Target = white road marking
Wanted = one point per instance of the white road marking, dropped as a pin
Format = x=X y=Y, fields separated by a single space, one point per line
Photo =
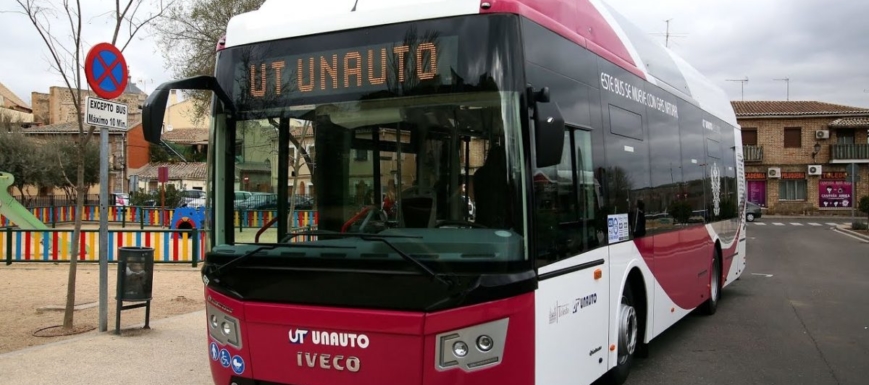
x=759 y=224
x=830 y=224
x=852 y=236
x=761 y=274
x=796 y=224
x=778 y=224
x=814 y=224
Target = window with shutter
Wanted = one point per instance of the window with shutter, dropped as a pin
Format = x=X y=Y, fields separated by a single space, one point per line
x=793 y=137
x=749 y=137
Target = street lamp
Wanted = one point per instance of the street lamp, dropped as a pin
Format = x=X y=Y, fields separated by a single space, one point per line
x=817 y=149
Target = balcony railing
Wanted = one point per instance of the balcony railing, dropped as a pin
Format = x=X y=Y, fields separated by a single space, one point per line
x=752 y=153
x=849 y=151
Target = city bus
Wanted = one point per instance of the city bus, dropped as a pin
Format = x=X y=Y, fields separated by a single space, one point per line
x=496 y=192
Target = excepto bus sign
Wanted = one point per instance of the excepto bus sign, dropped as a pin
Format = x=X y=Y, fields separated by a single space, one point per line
x=104 y=113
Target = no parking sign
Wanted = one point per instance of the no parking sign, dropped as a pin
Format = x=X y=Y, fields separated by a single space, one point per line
x=106 y=71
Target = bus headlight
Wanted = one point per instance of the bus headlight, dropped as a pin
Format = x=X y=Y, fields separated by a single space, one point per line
x=484 y=343
x=489 y=339
x=460 y=349
x=223 y=327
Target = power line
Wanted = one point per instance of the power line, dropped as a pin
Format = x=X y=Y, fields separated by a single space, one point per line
x=743 y=81
x=788 y=81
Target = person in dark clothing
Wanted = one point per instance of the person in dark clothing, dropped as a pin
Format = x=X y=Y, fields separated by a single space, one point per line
x=491 y=190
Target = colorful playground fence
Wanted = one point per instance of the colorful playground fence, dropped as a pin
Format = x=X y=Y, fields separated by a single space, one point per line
x=170 y=246
x=151 y=216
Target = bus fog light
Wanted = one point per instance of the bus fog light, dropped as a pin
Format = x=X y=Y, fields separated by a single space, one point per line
x=214 y=321
x=460 y=349
x=226 y=328
x=485 y=343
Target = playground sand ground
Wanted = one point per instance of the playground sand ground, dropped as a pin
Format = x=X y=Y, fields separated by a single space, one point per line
x=29 y=287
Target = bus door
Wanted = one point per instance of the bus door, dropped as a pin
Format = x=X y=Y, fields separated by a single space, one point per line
x=573 y=295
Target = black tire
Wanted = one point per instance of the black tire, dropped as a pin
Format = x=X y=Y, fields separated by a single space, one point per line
x=711 y=305
x=628 y=321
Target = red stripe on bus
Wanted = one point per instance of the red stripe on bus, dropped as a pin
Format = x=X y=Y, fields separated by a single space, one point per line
x=566 y=22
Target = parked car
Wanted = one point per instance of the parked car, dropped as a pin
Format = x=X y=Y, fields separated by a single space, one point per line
x=241 y=196
x=258 y=201
x=269 y=201
x=192 y=198
x=752 y=212
x=120 y=199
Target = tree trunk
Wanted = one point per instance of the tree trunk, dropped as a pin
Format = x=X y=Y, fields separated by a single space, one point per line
x=76 y=235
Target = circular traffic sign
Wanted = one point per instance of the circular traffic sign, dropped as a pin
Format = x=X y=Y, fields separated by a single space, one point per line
x=106 y=71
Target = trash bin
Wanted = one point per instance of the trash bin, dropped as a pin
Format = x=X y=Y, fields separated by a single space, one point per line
x=135 y=273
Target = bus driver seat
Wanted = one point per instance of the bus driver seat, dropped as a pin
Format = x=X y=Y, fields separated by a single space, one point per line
x=418 y=210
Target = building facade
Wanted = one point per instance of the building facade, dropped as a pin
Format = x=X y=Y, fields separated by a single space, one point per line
x=804 y=157
x=57 y=105
x=128 y=150
x=12 y=108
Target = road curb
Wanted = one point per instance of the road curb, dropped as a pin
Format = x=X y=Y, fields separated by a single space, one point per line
x=843 y=230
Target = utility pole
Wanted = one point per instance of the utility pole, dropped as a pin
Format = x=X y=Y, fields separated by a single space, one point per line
x=743 y=81
x=788 y=81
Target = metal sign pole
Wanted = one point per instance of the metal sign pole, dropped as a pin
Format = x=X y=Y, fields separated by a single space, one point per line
x=104 y=229
x=104 y=113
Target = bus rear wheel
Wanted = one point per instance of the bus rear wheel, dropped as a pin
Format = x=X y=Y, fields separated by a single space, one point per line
x=628 y=342
x=711 y=305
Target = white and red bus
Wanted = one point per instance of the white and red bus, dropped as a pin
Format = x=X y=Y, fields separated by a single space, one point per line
x=496 y=192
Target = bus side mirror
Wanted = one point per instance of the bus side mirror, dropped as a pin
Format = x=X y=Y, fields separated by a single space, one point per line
x=155 y=105
x=548 y=134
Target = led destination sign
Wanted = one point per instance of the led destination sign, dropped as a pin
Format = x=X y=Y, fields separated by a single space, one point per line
x=359 y=69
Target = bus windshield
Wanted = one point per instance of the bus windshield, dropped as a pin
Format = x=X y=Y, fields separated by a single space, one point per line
x=417 y=139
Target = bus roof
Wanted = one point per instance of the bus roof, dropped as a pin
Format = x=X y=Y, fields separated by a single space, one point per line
x=589 y=23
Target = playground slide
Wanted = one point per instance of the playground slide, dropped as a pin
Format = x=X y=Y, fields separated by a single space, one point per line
x=14 y=211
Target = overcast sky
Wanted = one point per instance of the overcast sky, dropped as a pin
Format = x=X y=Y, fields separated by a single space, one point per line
x=822 y=46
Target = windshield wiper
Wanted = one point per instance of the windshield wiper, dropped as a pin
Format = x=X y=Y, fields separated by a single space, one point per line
x=215 y=271
x=342 y=235
x=381 y=238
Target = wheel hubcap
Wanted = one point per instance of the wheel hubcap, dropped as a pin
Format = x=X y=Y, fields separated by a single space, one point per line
x=714 y=288
x=627 y=332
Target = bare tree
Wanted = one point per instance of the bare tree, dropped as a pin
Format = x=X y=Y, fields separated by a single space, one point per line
x=66 y=57
x=188 y=35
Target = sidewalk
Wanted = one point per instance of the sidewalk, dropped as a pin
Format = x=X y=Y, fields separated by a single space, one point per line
x=173 y=351
x=814 y=217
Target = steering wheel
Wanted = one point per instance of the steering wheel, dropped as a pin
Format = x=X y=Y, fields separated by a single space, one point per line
x=367 y=212
x=459 y=223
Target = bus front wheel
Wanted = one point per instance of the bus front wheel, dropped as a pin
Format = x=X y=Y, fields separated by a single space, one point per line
x=628 y=341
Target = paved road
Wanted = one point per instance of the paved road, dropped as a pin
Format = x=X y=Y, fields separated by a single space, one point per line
x=825 y=222
x=799 y=315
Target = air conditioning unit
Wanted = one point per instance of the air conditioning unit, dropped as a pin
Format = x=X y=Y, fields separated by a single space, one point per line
x=815 y=169
x=773 y=173
x=822 y=134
